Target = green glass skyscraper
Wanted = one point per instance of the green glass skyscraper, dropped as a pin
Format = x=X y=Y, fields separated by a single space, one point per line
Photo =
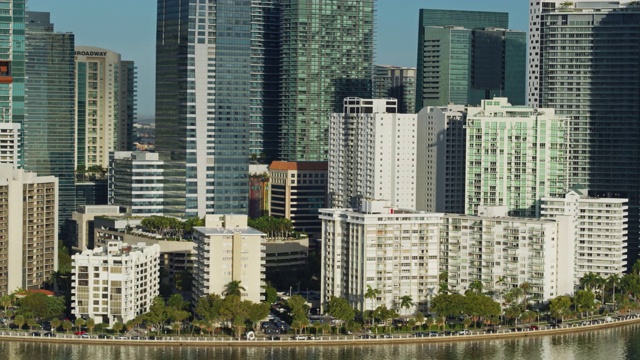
x=12 y=62
x=467 y=56
x=327 y=55
x=48 y=126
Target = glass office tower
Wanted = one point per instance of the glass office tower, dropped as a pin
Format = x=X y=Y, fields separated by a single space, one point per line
x=203 y=92
x=12 y=47
x=586 y=65
x=48 y=126
x=327 y=55
x=467 y=56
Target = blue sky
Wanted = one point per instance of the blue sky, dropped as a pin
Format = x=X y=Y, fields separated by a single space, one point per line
x=128 y=27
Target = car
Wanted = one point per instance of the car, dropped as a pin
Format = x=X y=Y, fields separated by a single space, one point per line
x=583 y=323
x=464 y=332
x=433 y=334
x=421 y=334
x=300 y=337
x=104 y=336
x=367 y=336
x=311 y=337
x=552 y=326
x=349 y=332
x=122 y=337
x=35 y=333
x=386 y=336
x=273 y=338
x=534 y=327
x=516 y=329
x=85 y=336
x=447 y=333
x=79 y=333
x=48 y=334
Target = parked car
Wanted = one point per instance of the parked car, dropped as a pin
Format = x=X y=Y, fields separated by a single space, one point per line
x=464 y=332
x=534 y=327
x=79 y=333
x=386 y=336
x=433 y=334
x=48 y=334
x=300 y=337
x=421 y=334
x=35 y=333
x=273 y=338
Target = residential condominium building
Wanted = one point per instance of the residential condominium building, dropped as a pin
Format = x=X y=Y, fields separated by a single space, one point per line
x=114 y=283
x=326 y=55
x=467 y=56
x=10 y=149
x=597 y=231
x=100 y=77
x=503 y=252
x=391 y=250
x=48 y=130
x=298 y=191
x=440 y=159
x=396 y=82
x=28 y=229
x=229 y=250
x=516 y=155
x=372 y=154
x=583 y=62
x=136 y=182
x=83 y=220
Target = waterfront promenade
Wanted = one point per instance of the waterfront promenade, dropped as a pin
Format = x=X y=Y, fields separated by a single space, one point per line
x=288 y=340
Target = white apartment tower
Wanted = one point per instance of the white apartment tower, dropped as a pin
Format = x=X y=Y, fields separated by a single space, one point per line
x=503 y=252
x=515 y=155
x=228 y=250
x=441 y=159
x=116 y=282
x=372 y=154
x=597 y=231
x=394 y=251
x=10 y=143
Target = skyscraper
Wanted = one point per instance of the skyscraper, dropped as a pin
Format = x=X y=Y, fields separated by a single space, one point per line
x=203 y=108
x=468 y=56
x=397 y=82
x=48 y=130
x=585 y=63
x=327 y=55
x=127 y=96
x=12 y=53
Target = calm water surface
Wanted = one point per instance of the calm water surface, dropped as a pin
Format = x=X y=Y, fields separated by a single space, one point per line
x=610 y=344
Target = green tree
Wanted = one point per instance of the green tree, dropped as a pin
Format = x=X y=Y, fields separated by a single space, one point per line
x=234 y=288
x=67 y=325
x=613 y=281
x=157 y=314
x=235 y=311
x=583 y=300
x=19 y=320
x=41 y=306
x=476 y=286
x=443 y=283
x=91 y=324
x=430 y=322
x=340 y=309
x=559 y=306
x=298 y=309
x=79 y=323
x=117 y=327
x=419 y=318
x=525 y=287
x=270 y=294
x=589 y=281
x=448 y=304
x=406 y=302
x=630 y=284
x=466 y=322
x=129 y=325
x=208 y=308
x=55 y=323
x=256 y=313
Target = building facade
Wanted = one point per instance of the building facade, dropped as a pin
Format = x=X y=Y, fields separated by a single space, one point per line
x=593 y=81
x=597 y=231
x=228 y=250
x=48 y=131
x=298 y=191
x=114 y=283
x=326 y=55
x=396 y=82
x=136 y=182
x=12 y=61
x=28 y=229
x=372 y=154
x=467 y=56
x=84 y=223
x=202 y=118
x=516 y=155
x=440 y=158
x=503 y=252
x=127 y=100
x=10 y=149
x=377 y=246
x=259 y=190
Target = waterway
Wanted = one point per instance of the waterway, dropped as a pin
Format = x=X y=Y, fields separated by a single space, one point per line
x=610 y=344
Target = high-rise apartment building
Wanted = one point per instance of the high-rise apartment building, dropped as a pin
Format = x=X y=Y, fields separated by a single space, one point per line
x=516 y=155
x=396 y=82
x=372 y=154
x=203 y=105
x=136 y=181
x=115 y=282
x=10 y=149
x=228 y=250
x=467 y=56
x=394 y=251
x=597 y=231
x=298 y=191
x=28 y=229
x=440 y=158
x=327 y=55
x=103 y=95
x=12 y=61
x=583 y=61
x=48 y=130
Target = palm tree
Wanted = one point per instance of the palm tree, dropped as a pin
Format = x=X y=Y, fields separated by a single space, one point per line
x=406 y=302
x=515 y=293
x=525 y=286
x=234 y=288
x=372 y=294
x=476 y=286
x=589 y=281
x=613 y=280
x=502 y=282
